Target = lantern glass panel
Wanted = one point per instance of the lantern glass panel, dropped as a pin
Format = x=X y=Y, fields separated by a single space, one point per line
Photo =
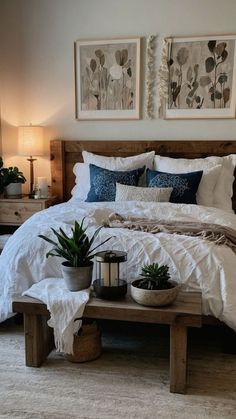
x=111 y=268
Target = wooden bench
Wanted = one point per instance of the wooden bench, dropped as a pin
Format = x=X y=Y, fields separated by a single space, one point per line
x=185 y=312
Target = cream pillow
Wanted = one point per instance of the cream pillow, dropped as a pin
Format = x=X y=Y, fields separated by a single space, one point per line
x=211 y=166
x=136 y=193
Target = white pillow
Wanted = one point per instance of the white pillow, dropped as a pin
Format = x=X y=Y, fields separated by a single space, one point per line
x=136 y=193
x=120 y=163
x=82 y=181
x=82 y=173
x=211 y=166
x=224 y=187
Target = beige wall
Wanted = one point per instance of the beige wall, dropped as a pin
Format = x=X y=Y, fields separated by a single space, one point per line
x=36 y=70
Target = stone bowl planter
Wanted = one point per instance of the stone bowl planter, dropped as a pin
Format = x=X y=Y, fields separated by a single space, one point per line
x=154 y=298
x=77 y=279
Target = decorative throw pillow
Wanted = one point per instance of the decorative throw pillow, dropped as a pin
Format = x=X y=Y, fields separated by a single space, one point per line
x=103 y=182
x=185 y=185
x=137 y=193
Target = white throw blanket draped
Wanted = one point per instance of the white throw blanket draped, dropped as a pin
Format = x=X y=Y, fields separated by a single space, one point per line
x=64 y=306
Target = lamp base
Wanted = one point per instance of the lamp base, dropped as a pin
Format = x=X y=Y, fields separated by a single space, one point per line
x=31 y=192
x=110 y=293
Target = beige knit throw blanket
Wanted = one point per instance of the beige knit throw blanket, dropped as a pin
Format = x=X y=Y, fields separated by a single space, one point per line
x=212 y=232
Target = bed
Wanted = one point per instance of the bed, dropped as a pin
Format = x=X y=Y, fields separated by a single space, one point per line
x=196 y=263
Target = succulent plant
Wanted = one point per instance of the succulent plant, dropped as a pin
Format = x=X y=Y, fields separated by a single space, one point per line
x=155 y=277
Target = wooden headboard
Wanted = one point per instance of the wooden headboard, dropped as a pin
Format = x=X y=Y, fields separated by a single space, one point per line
x=64 y=154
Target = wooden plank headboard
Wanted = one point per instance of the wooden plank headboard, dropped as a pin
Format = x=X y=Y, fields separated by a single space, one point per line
x=64 y=154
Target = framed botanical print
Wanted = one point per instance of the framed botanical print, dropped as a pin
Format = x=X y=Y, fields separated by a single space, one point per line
x=107 y=79
x=202 y=78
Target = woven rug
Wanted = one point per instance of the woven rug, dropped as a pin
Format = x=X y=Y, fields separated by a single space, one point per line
x=130 y=379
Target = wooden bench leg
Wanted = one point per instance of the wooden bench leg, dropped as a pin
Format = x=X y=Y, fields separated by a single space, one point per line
x=178 y=358
x=38 y=339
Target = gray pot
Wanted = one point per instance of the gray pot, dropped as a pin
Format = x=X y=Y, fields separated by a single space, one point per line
x=13 y=190
x=154 y=297
x=77 y=279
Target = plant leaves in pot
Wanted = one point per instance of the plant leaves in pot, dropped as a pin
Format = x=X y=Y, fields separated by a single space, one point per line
x=155 y=287
x=12 y=179
x=78 y=253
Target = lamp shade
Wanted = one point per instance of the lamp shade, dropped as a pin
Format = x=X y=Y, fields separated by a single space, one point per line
x=30 y=141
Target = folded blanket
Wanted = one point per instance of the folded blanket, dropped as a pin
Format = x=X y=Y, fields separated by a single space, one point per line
x=212 y=232
x=66 y=309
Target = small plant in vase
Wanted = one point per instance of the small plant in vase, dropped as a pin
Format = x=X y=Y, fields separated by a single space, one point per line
x=11 y=180
x=154 y=288
x=155 y=277
x=77 y=252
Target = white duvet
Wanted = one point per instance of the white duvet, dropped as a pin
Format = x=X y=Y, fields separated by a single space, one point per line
x=196 y=263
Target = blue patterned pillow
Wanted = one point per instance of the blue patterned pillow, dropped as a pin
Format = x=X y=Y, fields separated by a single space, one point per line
x=185 y=185
x=103 y=182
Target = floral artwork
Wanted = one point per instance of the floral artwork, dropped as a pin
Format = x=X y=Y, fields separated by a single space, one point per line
x=107 y=79
x=201 y=81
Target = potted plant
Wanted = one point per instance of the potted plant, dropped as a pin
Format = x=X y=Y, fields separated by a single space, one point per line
x=77 y=251
x=155 y=287
x=12 y=179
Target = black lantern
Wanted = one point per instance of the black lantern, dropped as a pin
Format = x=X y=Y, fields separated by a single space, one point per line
x=110 y=280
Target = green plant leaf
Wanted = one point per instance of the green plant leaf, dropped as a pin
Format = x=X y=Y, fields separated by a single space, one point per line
x=100 y=244
x=47 y=239
x=75 y=249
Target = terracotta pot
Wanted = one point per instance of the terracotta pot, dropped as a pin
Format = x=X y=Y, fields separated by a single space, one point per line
x=154 y=297
x=77 y=279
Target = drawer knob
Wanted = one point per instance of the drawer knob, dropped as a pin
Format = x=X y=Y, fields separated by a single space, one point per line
x=16 y=213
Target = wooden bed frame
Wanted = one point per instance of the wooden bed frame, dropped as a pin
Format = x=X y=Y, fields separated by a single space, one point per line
x=64 y=154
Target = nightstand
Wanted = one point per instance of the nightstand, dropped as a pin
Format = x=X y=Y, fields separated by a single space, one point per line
x=13 y=212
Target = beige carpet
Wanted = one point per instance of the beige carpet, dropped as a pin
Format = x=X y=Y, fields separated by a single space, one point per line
x=130 y=380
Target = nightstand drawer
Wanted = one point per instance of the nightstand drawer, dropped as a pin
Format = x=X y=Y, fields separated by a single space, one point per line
x=17 y=213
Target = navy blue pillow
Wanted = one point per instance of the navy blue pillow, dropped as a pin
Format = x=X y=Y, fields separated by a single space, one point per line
x=185 y=185
x=103 y=182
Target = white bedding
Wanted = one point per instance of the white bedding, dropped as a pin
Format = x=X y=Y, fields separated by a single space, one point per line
x=197 y=264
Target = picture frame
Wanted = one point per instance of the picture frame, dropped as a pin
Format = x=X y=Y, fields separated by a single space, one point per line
x=107 y=79
x=202 y=77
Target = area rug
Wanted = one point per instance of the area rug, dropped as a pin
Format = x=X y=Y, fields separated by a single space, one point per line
x=130 y=379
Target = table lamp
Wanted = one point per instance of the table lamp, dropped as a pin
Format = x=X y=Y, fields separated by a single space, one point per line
x=30 y=143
